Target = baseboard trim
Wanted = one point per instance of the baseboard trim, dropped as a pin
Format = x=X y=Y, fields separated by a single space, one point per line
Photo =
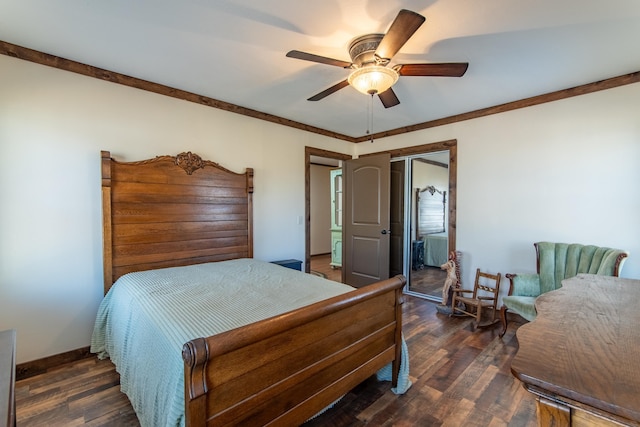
x=35 y=367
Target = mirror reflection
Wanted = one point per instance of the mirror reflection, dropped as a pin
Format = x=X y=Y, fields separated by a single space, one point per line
x=429 y=223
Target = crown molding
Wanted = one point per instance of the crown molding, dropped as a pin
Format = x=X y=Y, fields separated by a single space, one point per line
x=42 y=58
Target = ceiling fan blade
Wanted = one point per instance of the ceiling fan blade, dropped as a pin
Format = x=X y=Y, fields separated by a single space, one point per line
x=401 y=30
x=449 y=69
x=317 y=58
x=329 y=91
x=389 y=98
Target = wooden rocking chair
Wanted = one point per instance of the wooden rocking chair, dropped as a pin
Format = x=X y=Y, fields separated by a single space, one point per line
x=484 y=295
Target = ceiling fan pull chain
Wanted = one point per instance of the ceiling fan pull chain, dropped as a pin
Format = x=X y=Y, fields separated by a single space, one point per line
x=368 y=118
x=370 y=126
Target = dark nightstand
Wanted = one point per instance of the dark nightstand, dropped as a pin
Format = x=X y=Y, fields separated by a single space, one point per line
x=294 y=264
x=417 y=255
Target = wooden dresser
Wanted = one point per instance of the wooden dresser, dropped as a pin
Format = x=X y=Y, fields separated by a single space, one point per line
x=581 y=355
x=7 y=378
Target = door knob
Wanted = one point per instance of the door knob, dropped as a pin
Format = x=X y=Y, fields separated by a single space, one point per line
x=385 y=232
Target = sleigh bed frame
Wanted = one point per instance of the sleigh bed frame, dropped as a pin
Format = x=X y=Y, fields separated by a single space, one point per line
x=174 y=211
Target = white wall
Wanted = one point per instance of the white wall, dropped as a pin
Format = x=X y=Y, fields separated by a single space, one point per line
x=53 y=125
x=565 y=171
x=320 y=207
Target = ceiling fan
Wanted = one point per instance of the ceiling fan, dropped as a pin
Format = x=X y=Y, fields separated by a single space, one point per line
x=370 y=55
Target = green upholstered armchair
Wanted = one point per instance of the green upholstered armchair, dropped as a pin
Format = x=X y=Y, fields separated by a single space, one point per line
x=556 y=262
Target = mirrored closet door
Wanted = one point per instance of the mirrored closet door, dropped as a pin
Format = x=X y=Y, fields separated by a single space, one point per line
x=420 y=241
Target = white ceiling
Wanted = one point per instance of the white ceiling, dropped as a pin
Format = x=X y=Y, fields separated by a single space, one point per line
x=234 y=50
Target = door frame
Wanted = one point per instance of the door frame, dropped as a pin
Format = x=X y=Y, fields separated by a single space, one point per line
x=308 y=152
x=452 y=146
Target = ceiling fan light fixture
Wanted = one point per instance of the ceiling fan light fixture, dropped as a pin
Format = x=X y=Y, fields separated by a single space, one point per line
x=373 y=79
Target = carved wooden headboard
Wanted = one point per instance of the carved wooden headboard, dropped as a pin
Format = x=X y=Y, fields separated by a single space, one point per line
x=172 y=211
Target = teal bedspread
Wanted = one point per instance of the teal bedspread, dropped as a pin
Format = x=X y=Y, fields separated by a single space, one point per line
x=147 y=316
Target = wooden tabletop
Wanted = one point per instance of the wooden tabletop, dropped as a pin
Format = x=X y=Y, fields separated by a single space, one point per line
x=583 y=347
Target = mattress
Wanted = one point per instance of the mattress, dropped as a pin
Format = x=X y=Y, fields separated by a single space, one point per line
x=146 y=317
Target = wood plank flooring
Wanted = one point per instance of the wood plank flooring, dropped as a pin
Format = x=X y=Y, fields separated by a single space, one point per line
x=460 y=377
x=322 y=264
x=428 y=281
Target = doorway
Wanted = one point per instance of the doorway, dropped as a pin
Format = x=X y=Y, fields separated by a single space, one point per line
x=322 y=262
x=449 y=146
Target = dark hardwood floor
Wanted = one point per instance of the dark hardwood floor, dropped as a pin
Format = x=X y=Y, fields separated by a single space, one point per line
x=460 y=377
x=428 y=281
x=322 y=264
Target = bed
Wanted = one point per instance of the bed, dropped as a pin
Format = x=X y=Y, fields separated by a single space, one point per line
x=178 y=244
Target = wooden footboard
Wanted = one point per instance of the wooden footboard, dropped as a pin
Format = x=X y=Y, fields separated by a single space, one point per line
x=284 y=370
